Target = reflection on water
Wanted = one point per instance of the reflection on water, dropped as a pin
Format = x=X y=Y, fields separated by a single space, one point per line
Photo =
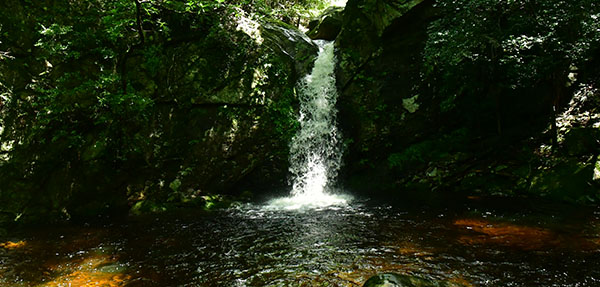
x=334 y=246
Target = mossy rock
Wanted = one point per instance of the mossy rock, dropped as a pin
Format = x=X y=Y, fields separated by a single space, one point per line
x=328 y=25
x=571 y=181
x=581 y=141
x=291 y=45
x=147 y=207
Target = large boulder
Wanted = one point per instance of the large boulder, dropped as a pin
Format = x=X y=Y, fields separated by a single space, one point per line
x=327 y=26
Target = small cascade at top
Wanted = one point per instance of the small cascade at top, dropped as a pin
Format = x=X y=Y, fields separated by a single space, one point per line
x=315 y=151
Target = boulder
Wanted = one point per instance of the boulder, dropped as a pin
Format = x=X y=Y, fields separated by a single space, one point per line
x=327 y=26
x=289 y=42
x=582 y=141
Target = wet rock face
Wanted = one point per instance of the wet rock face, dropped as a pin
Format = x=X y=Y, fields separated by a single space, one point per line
x=290 y=43
x=327 y=26
x=226 y=107
x=379 y=59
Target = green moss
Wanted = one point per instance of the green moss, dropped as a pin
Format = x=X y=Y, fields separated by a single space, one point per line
x=147 y=206
x=570 y=181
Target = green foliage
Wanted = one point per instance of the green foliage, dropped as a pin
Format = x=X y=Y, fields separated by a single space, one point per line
x=569 y=180
x=153 y=56
x=417 y=153
x=490 y=47
x=283 y=116
x=430 y=150
x=84 y=84
x=290 y=11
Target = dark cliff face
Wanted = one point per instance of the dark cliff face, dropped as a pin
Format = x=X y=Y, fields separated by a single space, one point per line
x=380 y=57
x=408 y=126
x=204 y=107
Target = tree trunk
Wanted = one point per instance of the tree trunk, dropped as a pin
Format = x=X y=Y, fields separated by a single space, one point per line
x=138 y=12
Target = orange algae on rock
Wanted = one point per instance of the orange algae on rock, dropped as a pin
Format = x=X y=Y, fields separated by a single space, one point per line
x=88 y=273
x=85 y=279
x=13 y=245
x=459 y=282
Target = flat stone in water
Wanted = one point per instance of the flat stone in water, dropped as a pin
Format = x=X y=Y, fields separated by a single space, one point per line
x=397 y=280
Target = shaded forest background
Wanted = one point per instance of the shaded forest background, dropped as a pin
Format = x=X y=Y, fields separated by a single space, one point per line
x=145 y=106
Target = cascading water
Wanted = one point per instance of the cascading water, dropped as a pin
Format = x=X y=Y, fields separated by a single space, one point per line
x=315 y=153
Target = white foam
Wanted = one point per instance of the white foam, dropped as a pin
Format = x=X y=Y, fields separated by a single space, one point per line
x=309 y=201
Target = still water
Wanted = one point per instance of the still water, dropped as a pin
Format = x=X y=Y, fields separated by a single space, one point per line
x=470 y=242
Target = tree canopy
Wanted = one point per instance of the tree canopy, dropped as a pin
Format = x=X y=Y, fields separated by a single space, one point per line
x=488 y=47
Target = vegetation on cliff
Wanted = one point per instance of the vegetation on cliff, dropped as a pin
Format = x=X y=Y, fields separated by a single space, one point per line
x=110 y=104
x=479 y=96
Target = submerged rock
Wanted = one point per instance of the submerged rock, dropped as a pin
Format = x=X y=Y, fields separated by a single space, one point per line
x=397 y=280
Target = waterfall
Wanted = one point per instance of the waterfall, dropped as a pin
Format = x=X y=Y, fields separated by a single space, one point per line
x=315 y=152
